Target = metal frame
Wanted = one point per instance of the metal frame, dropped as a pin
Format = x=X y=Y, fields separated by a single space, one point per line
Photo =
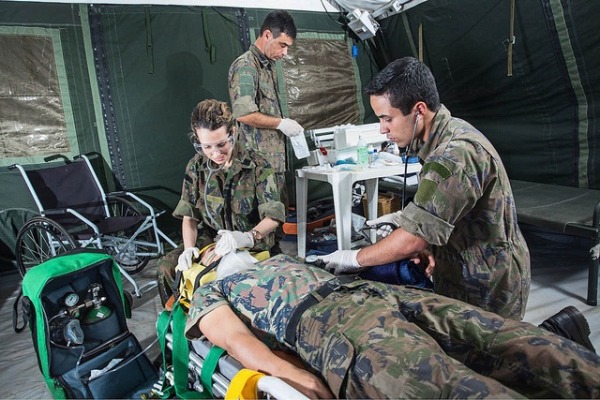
x=270 y=386
x=101 y=241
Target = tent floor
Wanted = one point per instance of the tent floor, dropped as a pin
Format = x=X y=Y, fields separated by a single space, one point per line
x=559 y=279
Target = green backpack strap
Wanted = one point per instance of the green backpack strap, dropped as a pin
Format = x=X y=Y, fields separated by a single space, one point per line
x=25 y=306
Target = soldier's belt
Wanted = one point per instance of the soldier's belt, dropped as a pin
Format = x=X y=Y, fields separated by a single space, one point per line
x=314 y=297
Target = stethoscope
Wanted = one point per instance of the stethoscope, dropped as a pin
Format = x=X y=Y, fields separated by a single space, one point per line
x=211 y=171
x=407 y=156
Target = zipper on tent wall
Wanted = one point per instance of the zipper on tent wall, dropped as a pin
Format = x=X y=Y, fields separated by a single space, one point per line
x=98 y=119
x=104 y=88
x=243 y=28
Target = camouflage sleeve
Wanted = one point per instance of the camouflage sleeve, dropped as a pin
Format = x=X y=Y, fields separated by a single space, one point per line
x=189 y=193
x=206 y=298
x=267 y=192
x=243 y=87
x=423 y=224
x=185 y=209
x=448 y=190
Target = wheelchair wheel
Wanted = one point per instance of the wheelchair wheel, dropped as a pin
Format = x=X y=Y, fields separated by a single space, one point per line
x=39 y=240
x=128 y=258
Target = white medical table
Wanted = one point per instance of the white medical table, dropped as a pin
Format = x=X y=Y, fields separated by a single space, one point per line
x=341 y=178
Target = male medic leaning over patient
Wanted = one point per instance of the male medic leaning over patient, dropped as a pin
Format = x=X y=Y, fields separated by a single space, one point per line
x=463 y=210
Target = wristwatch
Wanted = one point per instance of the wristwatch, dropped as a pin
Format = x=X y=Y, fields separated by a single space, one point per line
x=256 y=235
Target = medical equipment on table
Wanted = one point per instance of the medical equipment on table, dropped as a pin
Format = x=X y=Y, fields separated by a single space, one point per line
x=339 y=143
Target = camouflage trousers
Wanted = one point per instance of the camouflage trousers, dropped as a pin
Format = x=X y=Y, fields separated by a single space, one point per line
x=283 y=192
x=383 y=341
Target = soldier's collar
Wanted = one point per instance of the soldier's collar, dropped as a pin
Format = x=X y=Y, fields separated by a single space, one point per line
x=440 y=121
x=264 y=61
x=239 y=164
x=247 y=162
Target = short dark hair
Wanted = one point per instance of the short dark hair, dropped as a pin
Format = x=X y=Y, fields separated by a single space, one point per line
x=211 y=114
x=406 y=81
x=278 y=22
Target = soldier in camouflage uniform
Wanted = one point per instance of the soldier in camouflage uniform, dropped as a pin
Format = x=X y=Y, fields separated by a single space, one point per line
x=227 y=190
x=373 y=340
x=253 y=89
x=463 y=210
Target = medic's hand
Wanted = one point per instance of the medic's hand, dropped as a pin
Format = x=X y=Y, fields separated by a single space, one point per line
x=229 y=241
x=290 y=128
x=341 y=261
x=185 y=260
x=426 y=260
x=386 y=220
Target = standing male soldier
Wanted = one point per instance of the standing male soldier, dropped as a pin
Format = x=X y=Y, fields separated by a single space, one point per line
x=254 y=96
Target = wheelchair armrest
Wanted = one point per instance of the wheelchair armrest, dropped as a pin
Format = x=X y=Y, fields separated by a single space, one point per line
x=56 y=211
x=138 y=199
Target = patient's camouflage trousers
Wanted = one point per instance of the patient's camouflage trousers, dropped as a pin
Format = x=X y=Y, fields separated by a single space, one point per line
x=370 y=342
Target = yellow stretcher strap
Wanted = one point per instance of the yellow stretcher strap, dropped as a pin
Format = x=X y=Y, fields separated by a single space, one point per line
x=244 y=385
x=196 y=276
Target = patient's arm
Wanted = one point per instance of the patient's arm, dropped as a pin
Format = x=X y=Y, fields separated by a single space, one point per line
x=223 y=328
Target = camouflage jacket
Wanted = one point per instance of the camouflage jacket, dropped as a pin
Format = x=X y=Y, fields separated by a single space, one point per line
x=262 y=297
x=253 y=87
x=465 y=208
x=373 y=340
x=235 y=199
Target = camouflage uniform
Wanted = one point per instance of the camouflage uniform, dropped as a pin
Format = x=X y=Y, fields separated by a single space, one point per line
x=374 y=340
x=464 y=207
x=236 y=199
x=253 y=88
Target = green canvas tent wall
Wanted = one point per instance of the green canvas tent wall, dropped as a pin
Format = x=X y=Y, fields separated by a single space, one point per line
x=126 y=78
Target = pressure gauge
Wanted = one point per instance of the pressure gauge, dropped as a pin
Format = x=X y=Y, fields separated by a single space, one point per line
x=71 y=300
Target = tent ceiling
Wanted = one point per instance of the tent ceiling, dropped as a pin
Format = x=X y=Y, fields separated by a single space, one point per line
x=305 y=5
x=378 y=8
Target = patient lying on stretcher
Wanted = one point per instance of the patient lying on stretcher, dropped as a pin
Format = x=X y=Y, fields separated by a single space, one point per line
x=364 y=339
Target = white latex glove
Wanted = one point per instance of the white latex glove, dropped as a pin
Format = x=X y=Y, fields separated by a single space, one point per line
x=290 y=128
x=185 y=260
x=392 y=218
x=232 y=240
x=341 y=261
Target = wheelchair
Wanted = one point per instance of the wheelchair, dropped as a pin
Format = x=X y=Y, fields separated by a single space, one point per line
x=74 y=211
